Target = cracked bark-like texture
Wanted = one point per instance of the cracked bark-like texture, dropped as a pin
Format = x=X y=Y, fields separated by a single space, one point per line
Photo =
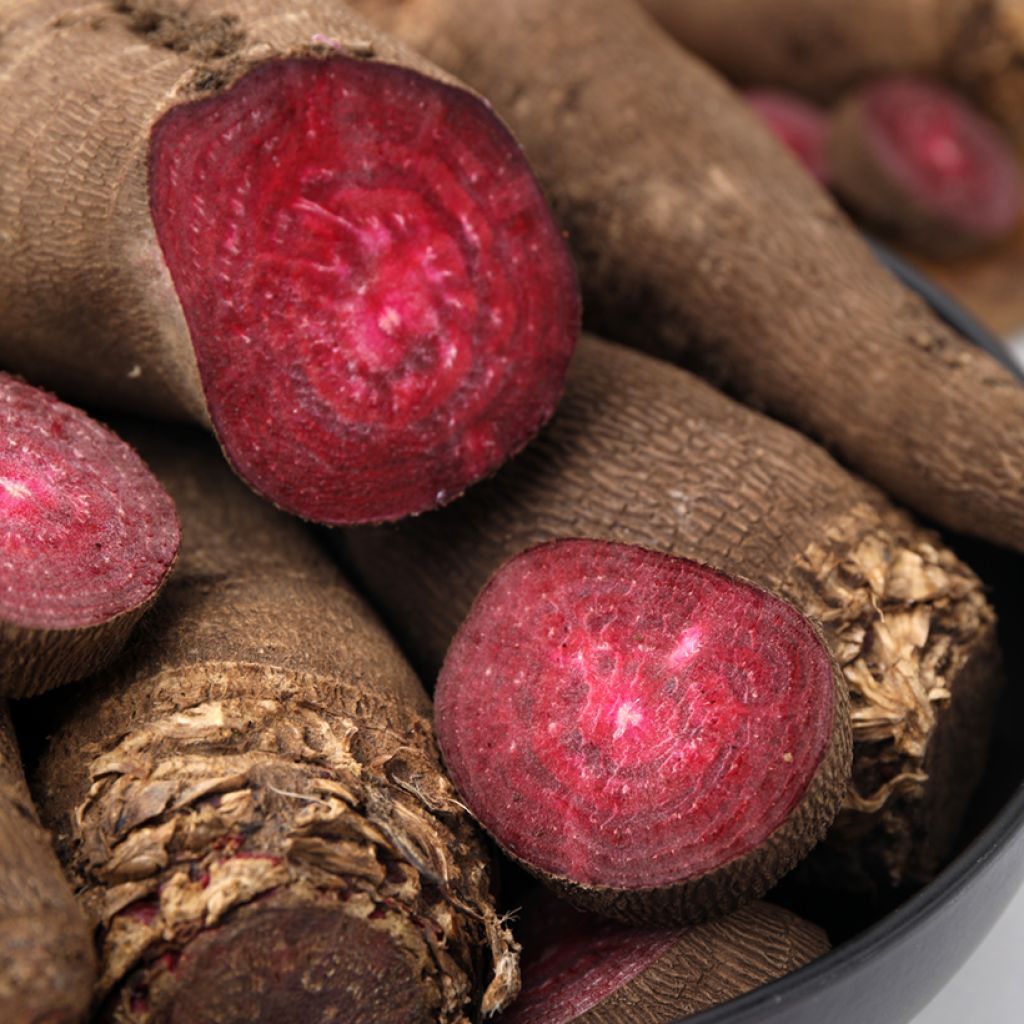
x=821 y=48
x=697 y=239
x=286 y=227
x=87 y=540
x=587 y=970
x=655 y=739
x=644 y=453
x=251 y=803
x=47 y=964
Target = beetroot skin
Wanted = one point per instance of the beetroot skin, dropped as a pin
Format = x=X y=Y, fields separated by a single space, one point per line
x=798 y=124
x=653 y=735
x=381 y=307
x=915 y=159
x=580 y=967
x=578 y=961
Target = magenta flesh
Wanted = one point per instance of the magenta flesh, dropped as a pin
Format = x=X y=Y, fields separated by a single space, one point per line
x=801 y=126
x=86 y=532
x=945 y=155
x=623 y=718
x=381 y=307
x=579 y=960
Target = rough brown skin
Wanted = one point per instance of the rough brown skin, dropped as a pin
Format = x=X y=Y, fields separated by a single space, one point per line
x=642 y=453
x=263 y=758
x=697 y=239
x=692 y=969
x=47 y=963
x=821 y=48
x=36 y=660
x=96 y=307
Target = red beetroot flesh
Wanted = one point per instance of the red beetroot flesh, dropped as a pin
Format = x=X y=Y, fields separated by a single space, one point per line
x=381 y=307
x=945 y=155
x=801 y=126
x=86 y=532
x=578 y=962
x=623 y=718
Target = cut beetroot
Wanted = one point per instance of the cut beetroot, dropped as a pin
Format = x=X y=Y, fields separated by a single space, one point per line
x=655 y=738
x=381 y=307
x=578 y=967
x=573 y=961
x=799 y=124
x=87 y=537
x=915 y=159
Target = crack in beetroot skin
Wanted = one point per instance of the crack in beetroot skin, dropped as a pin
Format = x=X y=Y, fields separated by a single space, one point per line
x=621 y=717
x=381 y=308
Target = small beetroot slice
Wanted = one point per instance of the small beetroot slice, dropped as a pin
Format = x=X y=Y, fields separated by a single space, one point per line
x=87 y=538
x=589 y=970
x=798 y=124
x=381 y=307
x=917 y=161
x=655 y=739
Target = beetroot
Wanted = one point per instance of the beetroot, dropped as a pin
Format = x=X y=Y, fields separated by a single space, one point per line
x=378 y=234
x=87 y=538
x=577 y=967
x=798 y=124
x=917 y=161
x=657 y=739
x=281 y=224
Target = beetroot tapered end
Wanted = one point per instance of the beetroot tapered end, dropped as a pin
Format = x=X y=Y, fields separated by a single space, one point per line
x=381 y=307
x=86 y=531
x=916 y=159
x=798 y=124
x=623 y=720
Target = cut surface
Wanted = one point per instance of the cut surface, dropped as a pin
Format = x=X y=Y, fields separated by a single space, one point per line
x=381 y=308
x=619 y=717
x=939 y=154
x=800 y=125
x=86 y=531
x=580 y=967
x=579 y=962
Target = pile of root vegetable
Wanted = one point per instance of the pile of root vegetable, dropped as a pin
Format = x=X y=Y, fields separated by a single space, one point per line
x=685 y=638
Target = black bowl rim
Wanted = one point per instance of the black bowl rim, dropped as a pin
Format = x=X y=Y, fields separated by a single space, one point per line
x=887 y=932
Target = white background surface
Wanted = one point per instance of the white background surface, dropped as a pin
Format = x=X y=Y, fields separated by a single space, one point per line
x=990 y=987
